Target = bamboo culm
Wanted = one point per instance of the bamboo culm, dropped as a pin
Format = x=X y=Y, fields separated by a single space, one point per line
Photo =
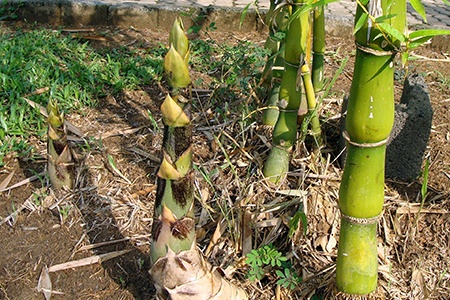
x=369 y=121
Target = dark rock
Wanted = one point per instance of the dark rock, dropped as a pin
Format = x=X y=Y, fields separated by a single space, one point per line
x=411 y=131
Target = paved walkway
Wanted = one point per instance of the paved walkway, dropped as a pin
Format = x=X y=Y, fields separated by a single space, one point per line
x=159 y=14
x=438 y=13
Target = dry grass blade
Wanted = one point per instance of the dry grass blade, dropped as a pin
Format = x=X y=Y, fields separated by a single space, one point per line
x=87 y=261
x=97 y=245
x=118 y=132
x=12 y=217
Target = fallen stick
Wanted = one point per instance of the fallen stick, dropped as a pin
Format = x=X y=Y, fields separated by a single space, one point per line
x=87 y=261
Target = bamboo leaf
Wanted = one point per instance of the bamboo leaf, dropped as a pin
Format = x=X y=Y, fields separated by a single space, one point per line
x=428 y=33
x=419 y=8
x=393 y=32
x=243 y=14
x=381 y=19
x=418 y=42
x=360 y=23
x=306 y=7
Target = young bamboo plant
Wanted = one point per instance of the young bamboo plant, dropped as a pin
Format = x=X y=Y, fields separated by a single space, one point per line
x=369 y=121
x=284 y=134
x=179 y=271
x=60 y=161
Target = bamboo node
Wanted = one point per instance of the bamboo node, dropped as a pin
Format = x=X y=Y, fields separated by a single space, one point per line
x=361 y=221
x=363 y=145
x=374 y=51
x=292 y=65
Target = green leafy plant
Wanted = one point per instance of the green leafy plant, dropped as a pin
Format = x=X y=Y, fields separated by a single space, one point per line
x=288 y=279
x=266 y=258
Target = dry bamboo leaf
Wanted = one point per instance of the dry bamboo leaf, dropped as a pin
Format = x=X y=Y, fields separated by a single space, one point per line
x=295 y=193
x=87 y=261
x=101 y=244
x=220 y=229
x=6 y=181
x=45 y=284
x=118 y=132
x=90 y=37
x=418 y=285
x=247 y=233
x=414 y=209
x=78 y=30
x=145 y=154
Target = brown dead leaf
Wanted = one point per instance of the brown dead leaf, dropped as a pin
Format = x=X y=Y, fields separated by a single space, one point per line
x=6 y=181
x=45 y=284
x=418 y=285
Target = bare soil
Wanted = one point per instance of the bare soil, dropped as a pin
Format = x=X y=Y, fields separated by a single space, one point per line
x=105 y=213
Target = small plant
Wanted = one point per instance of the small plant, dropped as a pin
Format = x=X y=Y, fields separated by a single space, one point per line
x=288 y=279
x=263 y=259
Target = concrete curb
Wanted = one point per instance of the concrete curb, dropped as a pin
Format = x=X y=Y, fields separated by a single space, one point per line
x=151 y=15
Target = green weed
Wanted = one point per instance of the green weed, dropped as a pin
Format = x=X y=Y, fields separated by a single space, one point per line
x=267 y=258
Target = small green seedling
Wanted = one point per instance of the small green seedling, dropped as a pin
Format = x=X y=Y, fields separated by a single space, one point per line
x=263 y=259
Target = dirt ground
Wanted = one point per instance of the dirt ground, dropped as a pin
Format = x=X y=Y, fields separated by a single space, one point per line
x=105 y=213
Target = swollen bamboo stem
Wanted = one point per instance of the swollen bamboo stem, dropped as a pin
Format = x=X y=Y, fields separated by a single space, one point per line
x=285 y=130
x=369 y=121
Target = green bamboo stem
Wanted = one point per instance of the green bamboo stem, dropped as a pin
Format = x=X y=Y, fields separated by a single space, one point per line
x=369 y=121
x=314 y=122
x=284 y=134
x=318 y=48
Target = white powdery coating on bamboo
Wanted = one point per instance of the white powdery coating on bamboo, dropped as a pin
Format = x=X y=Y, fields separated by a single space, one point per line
x=188 y=275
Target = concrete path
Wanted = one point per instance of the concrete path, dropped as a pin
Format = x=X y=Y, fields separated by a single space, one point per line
x=159 y=14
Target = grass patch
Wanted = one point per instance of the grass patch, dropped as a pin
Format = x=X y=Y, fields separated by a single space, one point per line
x=78 y=75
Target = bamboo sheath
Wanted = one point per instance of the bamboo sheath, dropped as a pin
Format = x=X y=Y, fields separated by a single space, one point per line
x=369 y=121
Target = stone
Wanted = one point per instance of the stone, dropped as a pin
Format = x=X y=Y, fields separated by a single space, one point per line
x=411 y=132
